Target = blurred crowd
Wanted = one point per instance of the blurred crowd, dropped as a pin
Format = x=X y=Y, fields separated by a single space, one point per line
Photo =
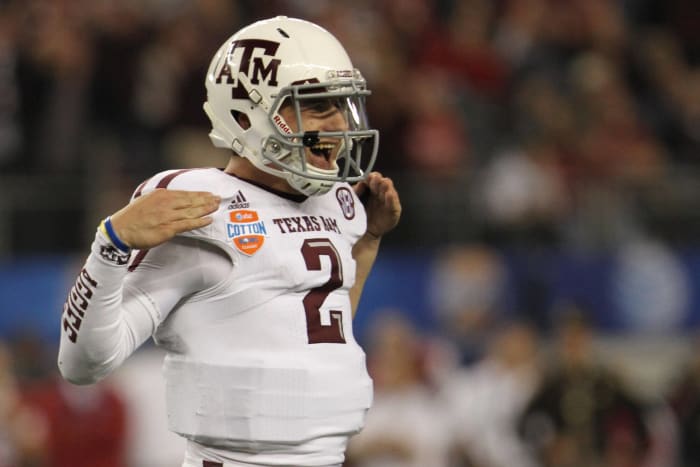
x=506 y=124
x=520 y=404
x=571 y=123
x=522 y=400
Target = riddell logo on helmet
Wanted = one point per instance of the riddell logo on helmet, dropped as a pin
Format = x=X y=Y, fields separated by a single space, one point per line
x=243 y=53
x=281 y=124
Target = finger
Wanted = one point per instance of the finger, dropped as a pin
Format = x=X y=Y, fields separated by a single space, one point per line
x=379 y=184
x=393 y=202
x=360 y=188
x=368 y=186
x=185 y=225
x=382 y=187
x=386 y=185
x=372 y=179
x=196 y=211
x=180 y=199
x=390 y=197
x=195 y=200
x=193 y=212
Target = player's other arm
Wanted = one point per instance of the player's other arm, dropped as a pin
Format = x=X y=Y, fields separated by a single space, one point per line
x=104 y=321
x=383 y=213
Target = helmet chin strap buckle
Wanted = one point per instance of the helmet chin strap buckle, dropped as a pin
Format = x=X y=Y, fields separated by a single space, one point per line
x=237 y=146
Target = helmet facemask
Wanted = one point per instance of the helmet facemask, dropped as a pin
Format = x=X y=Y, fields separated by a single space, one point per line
x=349 y=151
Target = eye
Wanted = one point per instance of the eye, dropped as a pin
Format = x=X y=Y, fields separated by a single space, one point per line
x=320 y=105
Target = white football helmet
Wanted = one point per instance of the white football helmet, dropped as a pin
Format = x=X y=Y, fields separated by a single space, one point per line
x=280 y=62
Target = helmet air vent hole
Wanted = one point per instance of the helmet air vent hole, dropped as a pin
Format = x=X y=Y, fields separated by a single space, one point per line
x=282 y=32
x=241 y=119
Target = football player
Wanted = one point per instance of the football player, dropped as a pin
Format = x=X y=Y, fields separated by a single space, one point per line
x=249 y=276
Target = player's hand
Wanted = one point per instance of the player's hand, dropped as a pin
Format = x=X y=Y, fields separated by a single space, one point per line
x=383 y=205
x=158 y=216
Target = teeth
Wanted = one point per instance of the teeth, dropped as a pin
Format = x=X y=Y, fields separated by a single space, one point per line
x=323 y=150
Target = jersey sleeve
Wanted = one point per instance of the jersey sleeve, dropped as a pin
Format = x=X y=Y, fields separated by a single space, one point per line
x=111 y=311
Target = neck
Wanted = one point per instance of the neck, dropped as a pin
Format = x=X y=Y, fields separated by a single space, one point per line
x=243 y=168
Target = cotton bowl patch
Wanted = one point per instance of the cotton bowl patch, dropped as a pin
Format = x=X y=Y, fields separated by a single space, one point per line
x=246 y=231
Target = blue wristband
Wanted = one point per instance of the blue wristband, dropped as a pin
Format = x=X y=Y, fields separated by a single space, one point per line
x=113 y=236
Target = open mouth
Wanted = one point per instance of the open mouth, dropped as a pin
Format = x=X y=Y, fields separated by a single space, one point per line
x=324 y=150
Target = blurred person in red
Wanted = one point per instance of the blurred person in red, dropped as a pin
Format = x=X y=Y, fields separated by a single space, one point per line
x=22 y=429
x=615 y=144
x=684 y=398
x=673 y=93
x=463 y=47
x=435 y=125
x=86 y=426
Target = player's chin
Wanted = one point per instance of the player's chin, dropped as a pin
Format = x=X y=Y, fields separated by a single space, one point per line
x=322 y=162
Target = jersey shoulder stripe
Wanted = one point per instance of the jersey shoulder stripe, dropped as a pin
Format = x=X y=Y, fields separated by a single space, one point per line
x=192 y=179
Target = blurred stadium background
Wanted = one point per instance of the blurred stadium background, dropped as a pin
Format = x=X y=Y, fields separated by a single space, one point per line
x=541 y=297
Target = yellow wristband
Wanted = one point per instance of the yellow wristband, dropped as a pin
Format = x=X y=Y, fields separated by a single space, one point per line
x=107 y=229
x=103 y=229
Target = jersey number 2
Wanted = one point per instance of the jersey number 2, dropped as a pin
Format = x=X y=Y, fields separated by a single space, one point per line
x=312 y=250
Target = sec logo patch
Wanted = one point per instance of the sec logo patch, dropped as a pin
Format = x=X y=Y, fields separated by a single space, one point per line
x=346 y=201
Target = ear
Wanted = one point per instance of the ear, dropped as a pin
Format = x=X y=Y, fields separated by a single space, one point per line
x=242 y=120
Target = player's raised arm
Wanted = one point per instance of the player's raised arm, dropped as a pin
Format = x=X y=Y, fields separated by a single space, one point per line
x=104 y=321
x=383 y=208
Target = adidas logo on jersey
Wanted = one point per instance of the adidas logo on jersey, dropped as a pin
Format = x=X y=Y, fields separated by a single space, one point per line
x=238 y=201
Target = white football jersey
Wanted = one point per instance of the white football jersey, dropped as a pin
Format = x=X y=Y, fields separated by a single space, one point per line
x=267 y=357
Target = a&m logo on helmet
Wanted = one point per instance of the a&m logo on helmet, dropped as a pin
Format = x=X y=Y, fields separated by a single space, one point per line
x=255 y=59
x=346 y=201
